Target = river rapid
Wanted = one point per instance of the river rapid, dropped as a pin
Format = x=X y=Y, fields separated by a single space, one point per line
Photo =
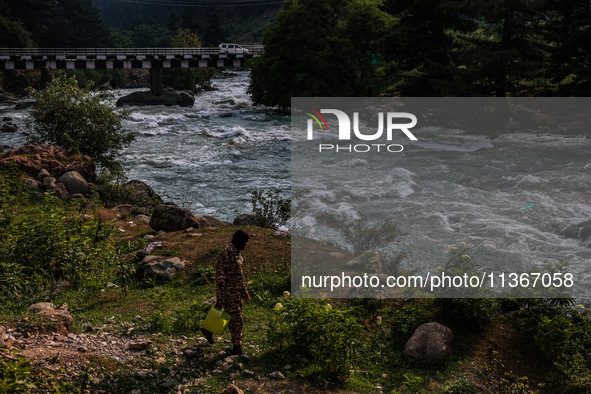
x=208 y=158
x=455 y=187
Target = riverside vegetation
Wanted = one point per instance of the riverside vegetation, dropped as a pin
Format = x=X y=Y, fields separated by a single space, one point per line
x=129 y=335
x=508 y=345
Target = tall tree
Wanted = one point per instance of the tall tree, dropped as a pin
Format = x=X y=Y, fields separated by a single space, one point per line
x=187 y=78
x=319 y=48
x=215 y=33
x=422 y=44
x=14 y=35
x=568 y=27
x=519 y=53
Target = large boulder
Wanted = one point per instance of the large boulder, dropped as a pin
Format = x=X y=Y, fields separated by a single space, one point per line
x=168 y=97
x=170 y=217
x=141 y=194
x=580 y=231
x=17 y=82
x=246 y=219
x=159 y=268
x=232 y=389
x=9 y=128
x=431 y=342
x=209 y=221
x=74 y=182
x=60 y=318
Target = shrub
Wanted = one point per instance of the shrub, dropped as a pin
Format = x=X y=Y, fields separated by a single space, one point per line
x=46 y=244
x=323 y=334
x=16 y=376
x=363 y=236
x=79 y=120
x=270 y=209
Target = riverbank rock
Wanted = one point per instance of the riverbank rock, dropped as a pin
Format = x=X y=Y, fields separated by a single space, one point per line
x=209 y=221
x=17 y=81
x=245 y=219
x=159 y=268
x=3 y=336
x=431 y=342
x=141 y=194
x=7 y=97
x=168 y=97
x=60 y=318
x=580 y=231
x=9 y=128
x=74 y=182
x=32 y=158
x=170 y=217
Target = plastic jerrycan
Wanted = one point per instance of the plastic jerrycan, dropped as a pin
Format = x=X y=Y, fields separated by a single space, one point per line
x=216 y=320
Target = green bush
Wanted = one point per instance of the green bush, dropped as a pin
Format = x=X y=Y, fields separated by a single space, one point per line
x=16 y=376
x=472 y=311
x=405 y=320
x=561 y=333
x=47 y=243
x=270 y=209
x=79 y=120
x=317 y=331
x=362 y=236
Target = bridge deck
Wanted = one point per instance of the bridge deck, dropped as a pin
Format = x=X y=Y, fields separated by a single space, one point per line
x=109 y=58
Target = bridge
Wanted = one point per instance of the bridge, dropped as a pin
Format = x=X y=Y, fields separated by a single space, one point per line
x=154 y=59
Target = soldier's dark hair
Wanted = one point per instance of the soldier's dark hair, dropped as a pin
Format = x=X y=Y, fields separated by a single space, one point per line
x=239 y=239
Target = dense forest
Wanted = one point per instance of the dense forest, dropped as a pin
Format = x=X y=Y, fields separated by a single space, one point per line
x=425 y=48
x=407 y=47
x=67 y=23
x=107 y=23
x=242 y=21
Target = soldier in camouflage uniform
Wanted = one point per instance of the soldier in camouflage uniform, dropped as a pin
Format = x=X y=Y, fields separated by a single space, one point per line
x=230 y=288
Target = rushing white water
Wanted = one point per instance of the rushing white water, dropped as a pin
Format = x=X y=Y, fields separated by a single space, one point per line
x=451 y=187
x=208 y=158
x=508 y=198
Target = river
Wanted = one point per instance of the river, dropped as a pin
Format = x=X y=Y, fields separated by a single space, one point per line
x=208 y=158
x=454 y=188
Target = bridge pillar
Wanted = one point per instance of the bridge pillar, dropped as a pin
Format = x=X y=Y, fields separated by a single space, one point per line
x=156 y=80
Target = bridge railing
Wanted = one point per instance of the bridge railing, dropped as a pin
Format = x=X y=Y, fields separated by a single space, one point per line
x=73 y=52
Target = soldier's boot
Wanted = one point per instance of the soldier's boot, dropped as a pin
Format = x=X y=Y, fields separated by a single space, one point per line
x=237 y=349
x=208 y=335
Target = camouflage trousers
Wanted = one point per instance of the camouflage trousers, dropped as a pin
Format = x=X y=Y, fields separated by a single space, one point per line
x=234 y=308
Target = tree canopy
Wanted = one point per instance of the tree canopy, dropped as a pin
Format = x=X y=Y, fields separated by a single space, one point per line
x=320 y=48
x=424 y=48
x=187 y=78
x=80 y=120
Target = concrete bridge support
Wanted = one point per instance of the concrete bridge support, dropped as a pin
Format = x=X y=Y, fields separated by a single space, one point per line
x=156 y=80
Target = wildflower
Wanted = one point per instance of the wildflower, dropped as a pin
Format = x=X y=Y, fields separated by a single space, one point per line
x=379 y=320
x=278 y=306
x=286 y=294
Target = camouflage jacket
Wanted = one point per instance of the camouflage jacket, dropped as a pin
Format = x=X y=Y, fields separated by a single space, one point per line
x=229 y=278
